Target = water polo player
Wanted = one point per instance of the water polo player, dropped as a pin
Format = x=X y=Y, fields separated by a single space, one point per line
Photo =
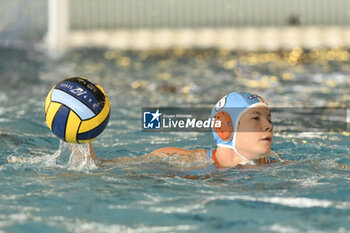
x=243 y=138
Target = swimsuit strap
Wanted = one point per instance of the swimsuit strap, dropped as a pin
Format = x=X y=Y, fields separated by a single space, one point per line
x=266 y=160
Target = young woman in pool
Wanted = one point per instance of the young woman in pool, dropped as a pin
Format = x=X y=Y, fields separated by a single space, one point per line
x=244 y=137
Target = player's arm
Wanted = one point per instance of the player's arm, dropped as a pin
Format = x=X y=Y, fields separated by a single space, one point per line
x=177 y=150
x=92 y=151
x=159 y=153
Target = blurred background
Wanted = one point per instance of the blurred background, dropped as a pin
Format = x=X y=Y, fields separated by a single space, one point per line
x=138 y=24
x=179 y=53
x=193 y=51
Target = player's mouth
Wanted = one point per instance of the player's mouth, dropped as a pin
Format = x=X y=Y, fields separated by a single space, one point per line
x=269 y=139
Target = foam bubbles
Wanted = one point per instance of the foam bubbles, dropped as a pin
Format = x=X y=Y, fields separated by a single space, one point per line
x=71 y=156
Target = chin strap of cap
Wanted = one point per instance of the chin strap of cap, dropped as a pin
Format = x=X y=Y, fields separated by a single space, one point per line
x=239 y=154
x=235 y=150
x=245 y=160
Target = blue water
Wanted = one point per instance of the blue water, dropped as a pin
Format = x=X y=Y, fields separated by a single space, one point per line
x=310 y=193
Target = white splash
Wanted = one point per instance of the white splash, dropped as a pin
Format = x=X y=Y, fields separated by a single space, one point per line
x=275 y=155
x=79 y=157
x=281 y=228
x=297 y=202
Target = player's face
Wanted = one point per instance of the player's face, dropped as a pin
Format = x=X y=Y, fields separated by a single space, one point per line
x=254 y=133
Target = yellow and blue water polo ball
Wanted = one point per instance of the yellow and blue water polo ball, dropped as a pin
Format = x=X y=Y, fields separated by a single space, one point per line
x=77 y=110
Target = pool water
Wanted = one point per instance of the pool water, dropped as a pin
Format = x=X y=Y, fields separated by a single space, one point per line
x=40 y=193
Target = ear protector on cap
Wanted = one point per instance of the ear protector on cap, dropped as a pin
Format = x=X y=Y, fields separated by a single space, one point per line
x=225 y=131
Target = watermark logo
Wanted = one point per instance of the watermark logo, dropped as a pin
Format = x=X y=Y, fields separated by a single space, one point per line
x=171 y=119
x=152 y=120
x=178 y=119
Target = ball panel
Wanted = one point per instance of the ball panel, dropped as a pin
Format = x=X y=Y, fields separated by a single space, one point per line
x=48 y=100
x=94 y=132
x=51 y=112
x=82 y=93
x=60 y=121
x=90 y=124
x=72 y=127
x=99 y=95
x=77 y=106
